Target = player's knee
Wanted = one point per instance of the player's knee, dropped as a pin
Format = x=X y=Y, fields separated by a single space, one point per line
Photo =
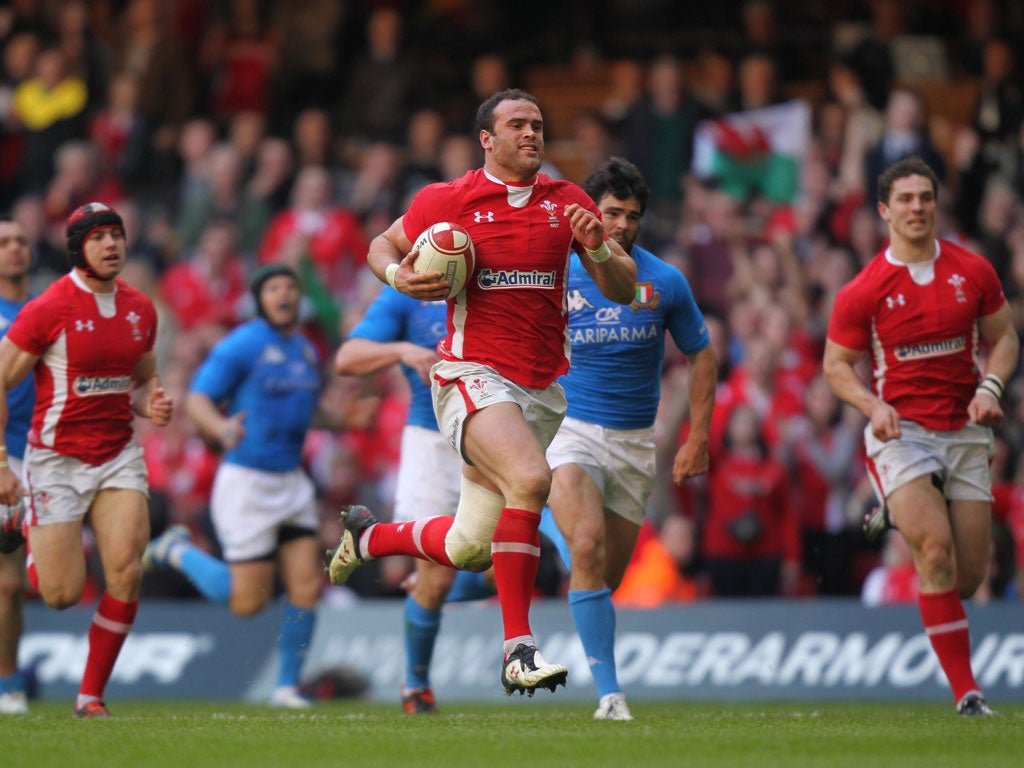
x=534 y=485
x=468 y=554
x=61 y=598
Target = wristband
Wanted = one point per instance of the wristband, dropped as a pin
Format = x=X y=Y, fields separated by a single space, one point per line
x=389 y=274
x=991 y=385
x=602 y=254
x=4 y=465
x=3 y=449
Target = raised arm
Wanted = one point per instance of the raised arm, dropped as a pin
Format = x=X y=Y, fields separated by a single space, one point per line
x=610 y=267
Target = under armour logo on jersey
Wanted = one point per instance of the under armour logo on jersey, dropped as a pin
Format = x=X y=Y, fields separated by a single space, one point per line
x=84 y=325
x=482 y=216
x=576 y=301
x=899 y=300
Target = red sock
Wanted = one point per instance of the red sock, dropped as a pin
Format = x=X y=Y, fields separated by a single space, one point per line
x=946 y=625
x=515 y=550
x=423 y=539
x=110 y=626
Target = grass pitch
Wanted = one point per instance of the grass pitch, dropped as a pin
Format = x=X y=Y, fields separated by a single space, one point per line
x=520 y=733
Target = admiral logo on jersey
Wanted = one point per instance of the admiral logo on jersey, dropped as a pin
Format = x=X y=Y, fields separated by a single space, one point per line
x=87 y=386
x=491 y=279
x=931 y=349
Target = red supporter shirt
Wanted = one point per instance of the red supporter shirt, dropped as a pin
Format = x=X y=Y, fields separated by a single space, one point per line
x=84 y=376
x=511 y=315
x=919 y=323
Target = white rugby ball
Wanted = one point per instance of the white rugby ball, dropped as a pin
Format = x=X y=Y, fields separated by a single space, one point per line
x=446 y=248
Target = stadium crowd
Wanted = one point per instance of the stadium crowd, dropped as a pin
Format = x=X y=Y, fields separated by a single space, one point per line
x=235 y=133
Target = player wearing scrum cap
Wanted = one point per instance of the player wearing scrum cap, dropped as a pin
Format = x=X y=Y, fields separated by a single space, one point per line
x=255 y=397
x=89 y=339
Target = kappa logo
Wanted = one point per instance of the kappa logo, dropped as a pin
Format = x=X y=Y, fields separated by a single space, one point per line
x=576 y=301
x=84 y=325
x=899 y=300
x=483 y=216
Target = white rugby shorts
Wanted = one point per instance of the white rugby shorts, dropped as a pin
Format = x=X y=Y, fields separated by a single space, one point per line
x=429 y=476
x=960 y=458
x=620 y=461
x=61 y=488
x=461 y=388
x=248 y=506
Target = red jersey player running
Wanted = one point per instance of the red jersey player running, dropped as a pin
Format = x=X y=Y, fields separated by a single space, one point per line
x=89 y=338
x=921 y=308
x=495 y=393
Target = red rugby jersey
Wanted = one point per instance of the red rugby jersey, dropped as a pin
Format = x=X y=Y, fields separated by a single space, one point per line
x=919 y=324
x=89 y=345
x=512 y=314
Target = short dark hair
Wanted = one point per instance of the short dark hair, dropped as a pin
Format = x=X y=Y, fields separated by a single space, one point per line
x=485 y=112
x=621 y=179
x=908 y=166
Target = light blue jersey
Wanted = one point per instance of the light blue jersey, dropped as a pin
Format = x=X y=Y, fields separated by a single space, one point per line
x=22 y=398
x=393 y=316
x=614 y=377
x=276 y=381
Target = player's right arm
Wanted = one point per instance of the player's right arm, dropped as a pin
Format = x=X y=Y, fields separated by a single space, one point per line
x=15 y=364
x=838 y=367
x=393 y=247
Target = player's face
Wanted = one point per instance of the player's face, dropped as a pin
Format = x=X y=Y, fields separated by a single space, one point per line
x=105 y=251
x=279 y=297
x=621 y=219
x=910 y=212
x=516 y=148
x=15 y=255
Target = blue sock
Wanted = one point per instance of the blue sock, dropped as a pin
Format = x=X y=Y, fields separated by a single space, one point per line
x=12 y=683
x=421 y=628
x=211 y=576
x=594 y=616
x=293 y=642
x=550 y=529
x=469 y=586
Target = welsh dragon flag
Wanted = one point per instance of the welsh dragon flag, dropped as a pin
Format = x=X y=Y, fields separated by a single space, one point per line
x=760 y=150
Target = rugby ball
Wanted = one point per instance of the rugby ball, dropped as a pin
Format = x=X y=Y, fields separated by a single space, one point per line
x=446 y=248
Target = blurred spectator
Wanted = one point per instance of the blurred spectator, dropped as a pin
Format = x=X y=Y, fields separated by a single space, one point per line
x=119 y=132
x=758 y=81
x=658 y=132
x=661 y=571
x=758 y=384
x=824 y=451
x=146 y=48
x=386 y=83
x=310 y=55
x=83 y=54
x=238 y=57
x=625 y=91
x=715 y=86
x=905 y=133
x=50 y=106
x=324 y=241
x=312 y=136
x=79 y=177
x=216 y=194
x=210 y=285
x=894 y=581
x=750 y=539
